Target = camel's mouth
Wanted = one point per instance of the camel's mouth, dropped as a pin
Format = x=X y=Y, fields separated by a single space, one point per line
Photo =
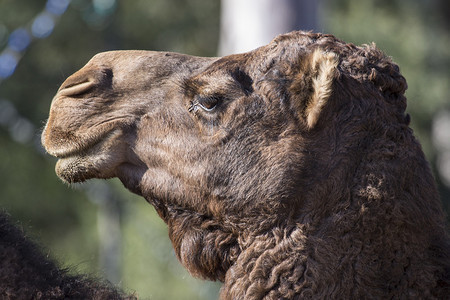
x=97 y=158
x=72 y=149
x=76 y=149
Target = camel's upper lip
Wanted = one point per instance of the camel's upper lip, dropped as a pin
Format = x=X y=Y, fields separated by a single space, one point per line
x=75 y=150
x=67 y=153
x=83 y=143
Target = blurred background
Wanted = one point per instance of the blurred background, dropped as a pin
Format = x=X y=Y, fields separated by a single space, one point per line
x=99 y=227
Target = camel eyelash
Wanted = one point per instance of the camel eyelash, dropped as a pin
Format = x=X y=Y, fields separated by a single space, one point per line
x=208 y=104
x=193 y=107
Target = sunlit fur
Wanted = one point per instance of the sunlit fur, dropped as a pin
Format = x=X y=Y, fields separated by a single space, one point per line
x=324 y=64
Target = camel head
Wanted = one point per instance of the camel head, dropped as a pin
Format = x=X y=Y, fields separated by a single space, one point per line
x=241 y=150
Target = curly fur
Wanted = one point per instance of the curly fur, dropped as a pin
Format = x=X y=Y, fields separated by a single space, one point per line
x=288 y=172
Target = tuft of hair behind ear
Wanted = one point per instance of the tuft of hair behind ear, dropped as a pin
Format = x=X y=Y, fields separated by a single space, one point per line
x=324 y=67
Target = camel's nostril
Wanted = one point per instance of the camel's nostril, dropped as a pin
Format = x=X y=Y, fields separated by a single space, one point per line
x=85 y=80
x=76 y=88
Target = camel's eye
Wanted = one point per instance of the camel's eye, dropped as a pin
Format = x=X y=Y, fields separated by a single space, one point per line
x=208 y=103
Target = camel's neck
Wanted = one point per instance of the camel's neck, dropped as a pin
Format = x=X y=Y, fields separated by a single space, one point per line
x=271 y=265
x=307 y=261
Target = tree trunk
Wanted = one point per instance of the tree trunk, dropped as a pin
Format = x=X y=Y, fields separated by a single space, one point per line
x=248 y=24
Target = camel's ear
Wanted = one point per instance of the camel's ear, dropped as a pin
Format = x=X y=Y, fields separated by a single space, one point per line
x=315 y=80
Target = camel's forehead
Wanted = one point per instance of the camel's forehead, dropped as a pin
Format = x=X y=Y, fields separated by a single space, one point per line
x=146 y=61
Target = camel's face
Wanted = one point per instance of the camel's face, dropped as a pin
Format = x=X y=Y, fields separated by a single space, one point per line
x=198 y=133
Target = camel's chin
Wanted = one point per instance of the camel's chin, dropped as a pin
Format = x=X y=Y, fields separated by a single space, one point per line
x=76 y=169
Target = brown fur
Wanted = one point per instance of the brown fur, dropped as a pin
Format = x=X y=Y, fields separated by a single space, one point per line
x=285 y=172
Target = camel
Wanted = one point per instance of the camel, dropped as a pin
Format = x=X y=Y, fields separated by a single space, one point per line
x=287 y=172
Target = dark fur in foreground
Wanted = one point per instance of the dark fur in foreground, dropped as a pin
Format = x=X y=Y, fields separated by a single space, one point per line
x=25 y=273
x=288 y=172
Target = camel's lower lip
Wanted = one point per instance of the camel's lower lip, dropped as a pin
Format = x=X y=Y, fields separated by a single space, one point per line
x=72 y=169
x=75 y=168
